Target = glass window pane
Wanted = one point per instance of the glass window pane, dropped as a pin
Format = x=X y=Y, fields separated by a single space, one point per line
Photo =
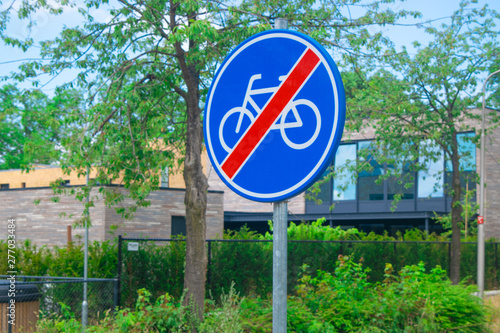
x=396 y=185
x=344 y=186
x=178 y=226
x=403 y=181
x=326 y=189
x=430 y=181
x=369 y=189
x=467 y=151
x=164 y=178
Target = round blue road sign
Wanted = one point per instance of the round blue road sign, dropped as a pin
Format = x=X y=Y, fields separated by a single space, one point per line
x=274 y=115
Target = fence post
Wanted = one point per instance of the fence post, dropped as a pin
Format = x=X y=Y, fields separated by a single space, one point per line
x=116 y=294
x=118 y=273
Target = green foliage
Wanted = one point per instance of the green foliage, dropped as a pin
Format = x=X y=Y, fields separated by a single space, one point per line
x=159 y=267
x=419 y=104
x=66 y=322
x=146 y=67
x=30 y=126
x=413 y=300
x=257 y=315
x=340 y=294
x=64 y=261
x=316 y=230
x=238 y=262
x=467 y=225
x=145 y=75
x=166 y=314
x=226 y=317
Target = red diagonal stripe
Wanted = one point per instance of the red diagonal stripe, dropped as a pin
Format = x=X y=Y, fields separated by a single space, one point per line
x=271 y=112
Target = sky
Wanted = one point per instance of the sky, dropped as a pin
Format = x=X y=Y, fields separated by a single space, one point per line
x=48 y=27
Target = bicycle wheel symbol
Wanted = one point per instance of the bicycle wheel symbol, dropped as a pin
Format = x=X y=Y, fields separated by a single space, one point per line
x=242 y=118
x=294 y=109
x=245 y=118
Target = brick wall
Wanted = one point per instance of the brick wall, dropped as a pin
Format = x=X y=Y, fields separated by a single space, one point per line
x=46 y=224
x=492 y=180
x=156 y=220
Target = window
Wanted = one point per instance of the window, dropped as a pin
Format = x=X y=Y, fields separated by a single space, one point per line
x=178 y=226
x=430 y=181
x=164 y=178
x=403 y=180
x=467 y=162
x=326 y=188
x=4 y=186
x=400 y=185
x=344 y=184
x=369 y=187
x=467 y=151
x=366 y=192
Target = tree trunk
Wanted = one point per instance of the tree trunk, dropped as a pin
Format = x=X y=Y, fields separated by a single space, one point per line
x=456 y=215
x=194 y=178
x=196 y=205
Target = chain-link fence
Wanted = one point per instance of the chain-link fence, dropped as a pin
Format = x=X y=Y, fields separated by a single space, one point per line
x=57 y=296
x=158 y=264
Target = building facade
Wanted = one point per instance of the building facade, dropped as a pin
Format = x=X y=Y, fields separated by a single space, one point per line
x=348 y=200
x=44 y=218
x=359 y=201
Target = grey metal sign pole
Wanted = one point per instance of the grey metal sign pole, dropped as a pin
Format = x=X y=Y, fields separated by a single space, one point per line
x=280 y=248
x=280 y=221
x=85 y=306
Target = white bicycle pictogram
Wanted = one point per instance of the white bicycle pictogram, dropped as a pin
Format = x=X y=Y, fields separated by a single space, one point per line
x=281 y=124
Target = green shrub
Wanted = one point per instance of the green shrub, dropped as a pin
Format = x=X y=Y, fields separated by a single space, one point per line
x=257 y=315
x=345 y=301
x=164 y=315
x=66 y=322
x=227 y=317
x=159 y=266
x=411 y=301
x=246 y=264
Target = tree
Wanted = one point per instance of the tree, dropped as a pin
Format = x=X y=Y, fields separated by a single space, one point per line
x=30 y=130
x=146 y=69
x=421 y=105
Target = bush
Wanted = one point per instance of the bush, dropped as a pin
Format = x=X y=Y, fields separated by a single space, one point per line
x=246 y=264
x=159 y=267
x=164 y=315
x=411 y=301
